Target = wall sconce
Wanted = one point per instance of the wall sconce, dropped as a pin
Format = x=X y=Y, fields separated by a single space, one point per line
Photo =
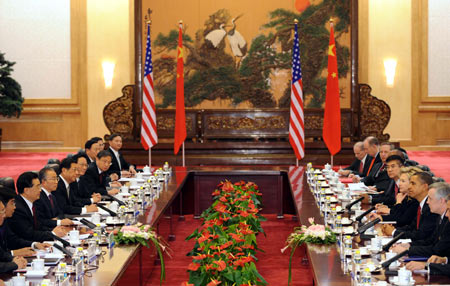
x=389 y=69
x=108 y=72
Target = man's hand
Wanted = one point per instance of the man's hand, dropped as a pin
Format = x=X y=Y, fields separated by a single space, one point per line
x=96 y=197
x=60 y=231
x=356 y=179
x=437 y=259
x=388 y=229
x=42 y=245
x=344 y=172
x=132 y=170
x=66 y=222
x=113 y=192
x=373 y=216
x=114 y=177
x=20 y=261
x=115 y=184
x=26 y=251
x=415 y=265
x=91 y=208
x=399 y=248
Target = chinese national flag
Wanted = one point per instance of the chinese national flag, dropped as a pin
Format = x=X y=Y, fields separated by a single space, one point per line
x=332 y=116
x=180 y=116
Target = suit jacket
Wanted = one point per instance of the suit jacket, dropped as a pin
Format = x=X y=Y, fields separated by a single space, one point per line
x=378 y=177
x=6 y=262
x=388 y=197
x=66 y=203
x=403 y=213
x=427 y=225
x=9 y=240
x=22 y=223
x=91 y=182
x=438 y=243
x=354 y=167
x=439 y=269
x=115 y=168
x=46 y=212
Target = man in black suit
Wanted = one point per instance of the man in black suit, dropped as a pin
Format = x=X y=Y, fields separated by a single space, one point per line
x=9 y=241
x=393 y=165
x=7 y=261
x=360 y=165
x=24 y=222
x=49 y=213
x=95 y=180
x=91 y=148
x=65 y=193
x=424 y=224
x=81 y=159
x=439 y=241
x=119 y=166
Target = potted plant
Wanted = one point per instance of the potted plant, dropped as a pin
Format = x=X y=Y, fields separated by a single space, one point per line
x=10 y=91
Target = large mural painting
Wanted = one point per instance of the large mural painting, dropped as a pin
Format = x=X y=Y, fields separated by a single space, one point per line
x=238 y=53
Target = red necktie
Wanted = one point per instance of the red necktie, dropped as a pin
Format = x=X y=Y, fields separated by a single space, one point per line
x=34 y=216
x=361 y=167
x=419 y=212
x=396 y=189
x=50 y=197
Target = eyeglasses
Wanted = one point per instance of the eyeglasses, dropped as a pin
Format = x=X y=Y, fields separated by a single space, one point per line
x=106 y=162
x=53 y=179
x=83 y=165
x=3 y=212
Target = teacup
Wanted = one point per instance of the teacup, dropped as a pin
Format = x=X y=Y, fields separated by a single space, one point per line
x=96 y=218
x=74 y=235
x=375 y=242
x=124 y=189
x=114 y=206
x=133 y=182
x=56 y=250
x=404 y=276
x=327 y=166
x=139 y=175
x=18 y=280
x=340 y=186
x=38 y=264
x=389 y=255
x=146 y=169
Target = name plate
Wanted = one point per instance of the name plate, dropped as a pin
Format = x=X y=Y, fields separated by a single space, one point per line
x=79 y=270
x=111 y=241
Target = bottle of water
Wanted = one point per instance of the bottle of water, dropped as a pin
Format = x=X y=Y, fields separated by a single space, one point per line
x=348 y=243
x=338 y=224
x=356 y=263
x=366 y=278
x=98 y=231
x=60 y=273
x=166 y=166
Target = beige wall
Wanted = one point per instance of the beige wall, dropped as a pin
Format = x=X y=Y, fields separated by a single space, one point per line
x=110 y=37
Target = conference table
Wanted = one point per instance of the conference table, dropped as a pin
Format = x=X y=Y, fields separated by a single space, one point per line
x=188 y=191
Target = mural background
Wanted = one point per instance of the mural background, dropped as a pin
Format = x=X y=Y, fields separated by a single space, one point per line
x=247 y=64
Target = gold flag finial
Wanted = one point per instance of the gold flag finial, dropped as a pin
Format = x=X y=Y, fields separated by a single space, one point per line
x=295 y=21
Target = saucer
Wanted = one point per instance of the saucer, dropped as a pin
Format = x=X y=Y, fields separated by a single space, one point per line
x=395 y=282
x=75 y=243
x=36 y=274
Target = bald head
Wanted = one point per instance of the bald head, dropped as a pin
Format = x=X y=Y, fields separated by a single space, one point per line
x=359 y=150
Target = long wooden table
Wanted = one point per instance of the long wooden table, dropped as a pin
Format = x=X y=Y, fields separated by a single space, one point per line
x=285 y=191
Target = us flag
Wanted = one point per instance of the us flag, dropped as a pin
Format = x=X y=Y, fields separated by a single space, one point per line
x=296 y=121
x=149 y=137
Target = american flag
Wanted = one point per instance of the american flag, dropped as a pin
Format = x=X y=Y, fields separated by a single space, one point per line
x=149 y=137
x=296 y=122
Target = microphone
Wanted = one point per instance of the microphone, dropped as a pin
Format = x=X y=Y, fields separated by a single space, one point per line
x=398 y=256
x=107 y=210
x=368 y=225
x=62 y=249
x=360 y=217
x=394 y=240
x=116 y=199
x=348 y=207
x=63 y=241
x=87 y=223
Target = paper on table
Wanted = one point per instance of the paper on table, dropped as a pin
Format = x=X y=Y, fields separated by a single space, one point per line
x=357 y=187
x=82 y=236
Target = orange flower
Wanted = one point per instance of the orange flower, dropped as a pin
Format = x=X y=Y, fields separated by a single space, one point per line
x=193 y=266
x=221 y=265
x=213 y=283
x=185 y=283
x=223 y=199
x=200 y=257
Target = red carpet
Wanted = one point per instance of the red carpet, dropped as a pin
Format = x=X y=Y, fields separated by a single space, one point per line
x=438 y=161
x=272 y=265
x=12 y=164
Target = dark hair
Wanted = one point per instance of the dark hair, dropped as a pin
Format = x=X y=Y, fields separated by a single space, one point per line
x=6 y=194
x=398 y=153
x=391 y=146
x=104 y=153
x=425 y=178
x=396 y=158
x=96 y=139
x=25 y=180
x=53 y=161
x=80 y=155
x=43 y=172
x=114 y=135
x=66 y=163
x=89 y=143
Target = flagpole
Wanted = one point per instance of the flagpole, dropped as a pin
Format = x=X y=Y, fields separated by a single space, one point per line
x=150 y=157
x=331 y=161
x=183 y=155
x=296 y=162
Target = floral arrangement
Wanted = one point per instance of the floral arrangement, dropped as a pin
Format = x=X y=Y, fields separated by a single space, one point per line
x=143 y=234
x=225 y=244
x=315 y=234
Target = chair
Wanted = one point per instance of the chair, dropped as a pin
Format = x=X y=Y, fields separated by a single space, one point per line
x=8 y=182
x=55 y=167
x=54 y=161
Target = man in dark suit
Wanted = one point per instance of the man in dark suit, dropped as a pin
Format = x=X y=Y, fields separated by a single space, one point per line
x=65 y=193
x=9 y=241
x=393 y=165
x=360 y=166
x=91 y=148
x=49 y=213
x=95 y=180
x=24 y=222
x=439 y=241
x=424 y=224
x=81 y=159
x=118 y=164
x=7 y=261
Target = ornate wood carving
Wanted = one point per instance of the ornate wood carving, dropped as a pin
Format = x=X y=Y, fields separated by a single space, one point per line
x=374 y=116
x=118 y=114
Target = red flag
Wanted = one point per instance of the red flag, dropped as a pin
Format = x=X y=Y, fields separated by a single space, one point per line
x=180 y=116
x=332 y=115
